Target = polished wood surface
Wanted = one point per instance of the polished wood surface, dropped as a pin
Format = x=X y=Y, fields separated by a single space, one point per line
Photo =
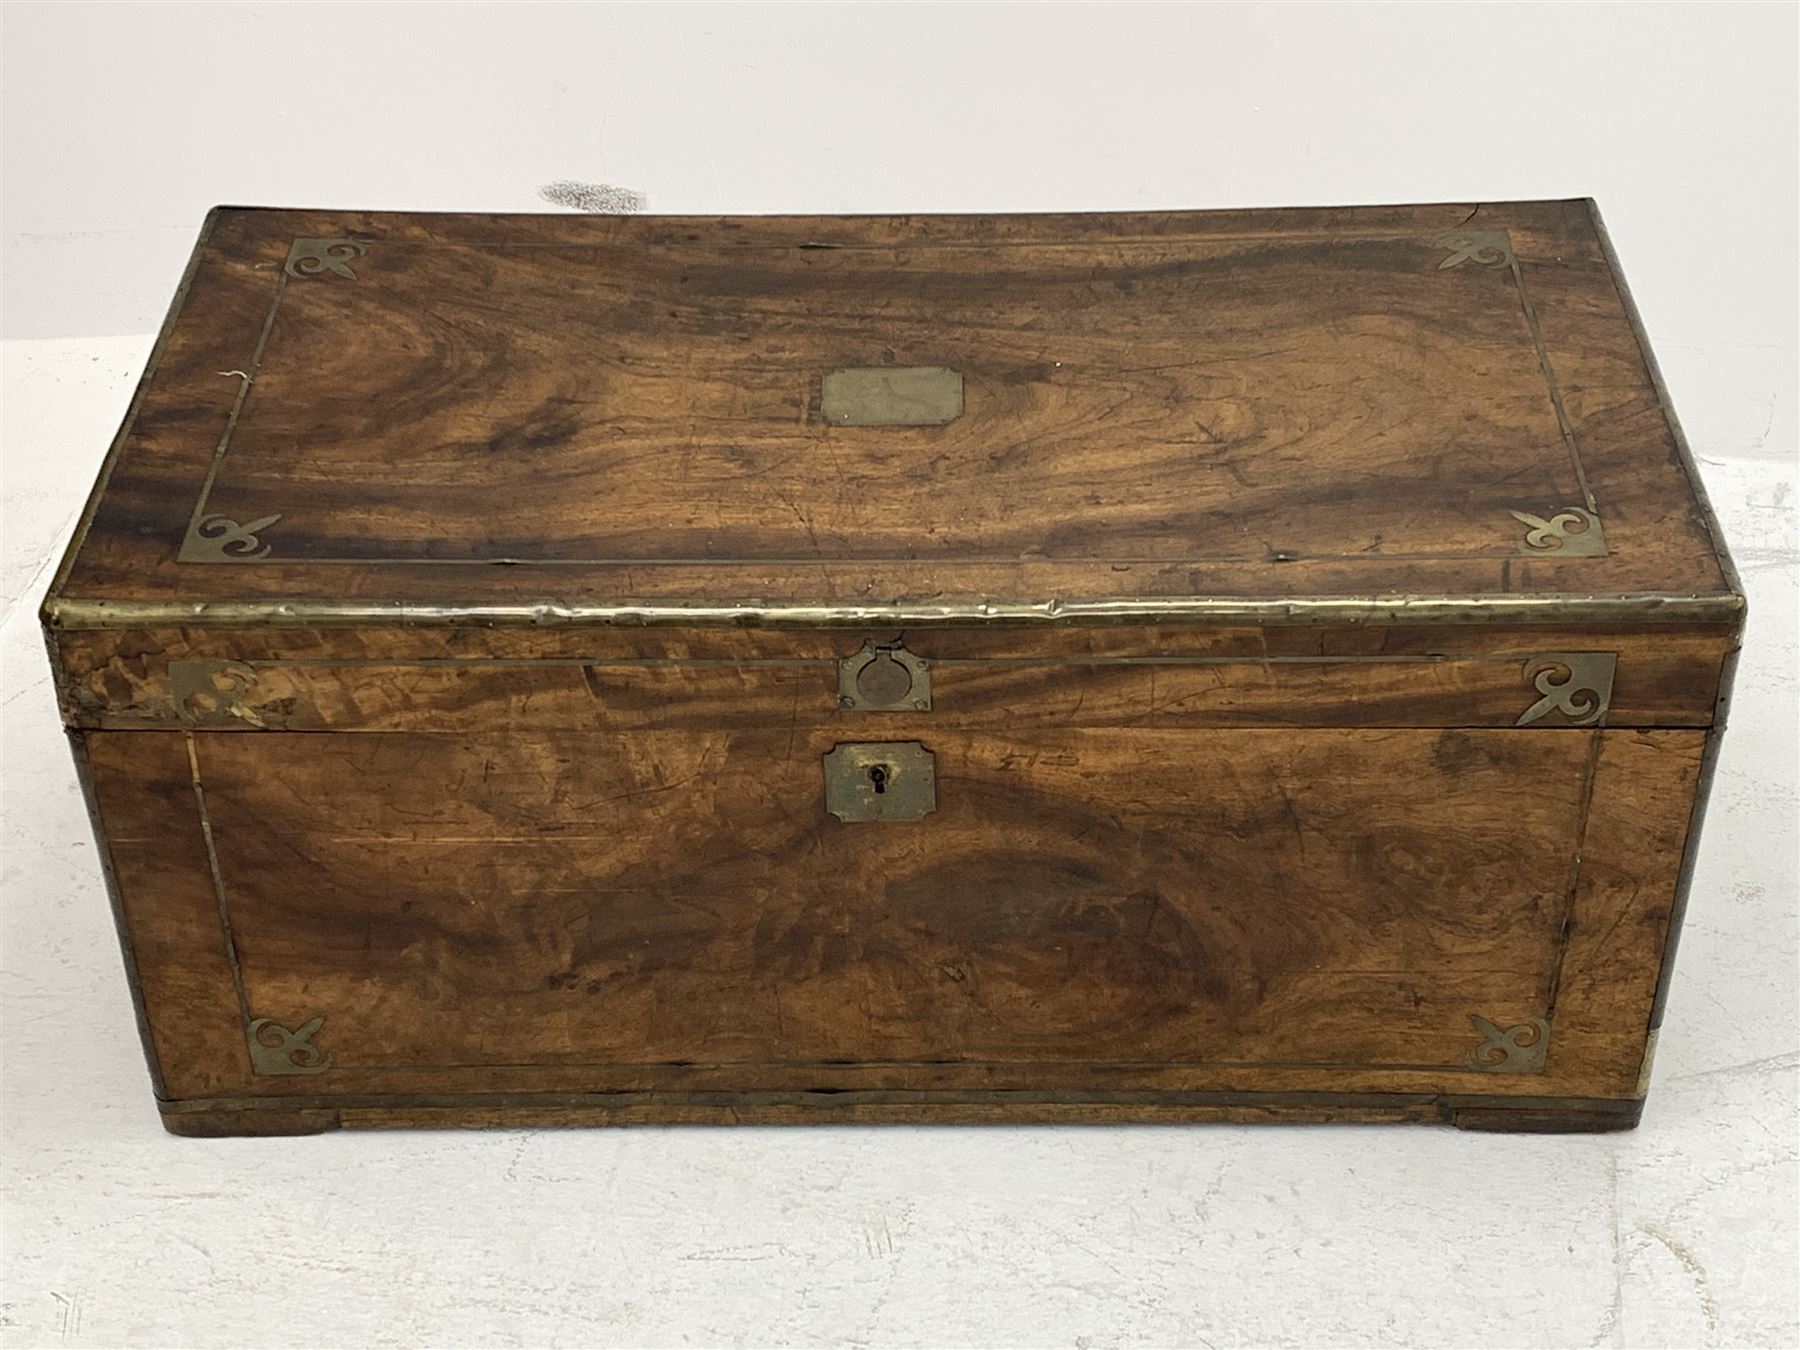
x=396 y=679
x=1325 y=640
x=1086 y=913
x=462 y=410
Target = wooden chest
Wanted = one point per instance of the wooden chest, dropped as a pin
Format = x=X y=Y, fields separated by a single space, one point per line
x=1239 y=665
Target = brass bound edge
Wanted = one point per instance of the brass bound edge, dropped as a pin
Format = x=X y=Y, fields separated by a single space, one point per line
x=1719 y=607
x=1643 y=1082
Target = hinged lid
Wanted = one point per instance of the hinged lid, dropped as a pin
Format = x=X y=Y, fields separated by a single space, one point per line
x=1345 y=415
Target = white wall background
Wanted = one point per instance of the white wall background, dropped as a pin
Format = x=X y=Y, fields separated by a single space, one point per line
x=124 y=123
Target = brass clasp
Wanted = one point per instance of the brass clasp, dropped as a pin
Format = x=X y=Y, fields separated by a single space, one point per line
x=884 y=679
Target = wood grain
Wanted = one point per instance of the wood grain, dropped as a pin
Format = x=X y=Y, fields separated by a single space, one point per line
x=1250 y=910
x=444 y=680
x=521 y=560
x=1297 y=404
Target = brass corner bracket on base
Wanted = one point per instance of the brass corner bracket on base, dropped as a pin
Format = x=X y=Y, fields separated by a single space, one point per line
x=276 y=1050
x=1520 y=1049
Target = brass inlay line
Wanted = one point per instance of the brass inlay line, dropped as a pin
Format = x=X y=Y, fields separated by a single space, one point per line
x=218 y=880
x=1494 y=248
x=781 y=663
x=558 y=1066
x=247 y=377
x=1566 y=908
x=905 y=245
x=1556 y=399
x=858 y=560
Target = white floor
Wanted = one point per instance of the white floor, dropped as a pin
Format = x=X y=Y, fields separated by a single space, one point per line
x=1680 y=1234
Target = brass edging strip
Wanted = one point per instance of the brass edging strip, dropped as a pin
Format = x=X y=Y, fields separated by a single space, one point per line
x=1648 y=1064
x=1709 y=520
x=1690 y=850
x=1712 y=607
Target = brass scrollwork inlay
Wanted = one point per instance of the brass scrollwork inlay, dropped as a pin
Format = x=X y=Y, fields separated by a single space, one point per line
x=1486 y=248
x=1520 y=1049
x=276 y=1050
x=313 y=257
x=211 y=693
x=1576 y=685
x=221 y=539
x=1571 y=533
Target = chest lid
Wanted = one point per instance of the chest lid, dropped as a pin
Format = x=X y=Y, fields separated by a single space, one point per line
x=1370 y=414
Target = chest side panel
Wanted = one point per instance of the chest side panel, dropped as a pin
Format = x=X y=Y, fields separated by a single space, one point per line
x=1446 y=911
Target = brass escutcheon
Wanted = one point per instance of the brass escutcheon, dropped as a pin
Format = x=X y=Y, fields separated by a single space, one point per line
x=881 y=781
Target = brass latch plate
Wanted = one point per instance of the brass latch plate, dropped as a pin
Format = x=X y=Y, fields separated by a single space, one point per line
x=888 y=780
x=884 y=679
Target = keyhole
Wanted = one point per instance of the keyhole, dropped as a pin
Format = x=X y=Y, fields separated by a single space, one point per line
x=878 y=775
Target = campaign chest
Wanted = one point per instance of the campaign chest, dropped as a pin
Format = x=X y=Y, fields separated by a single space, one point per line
x=1179 y=666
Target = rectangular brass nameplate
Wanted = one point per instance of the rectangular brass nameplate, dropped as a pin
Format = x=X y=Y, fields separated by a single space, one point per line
x=892 y=396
